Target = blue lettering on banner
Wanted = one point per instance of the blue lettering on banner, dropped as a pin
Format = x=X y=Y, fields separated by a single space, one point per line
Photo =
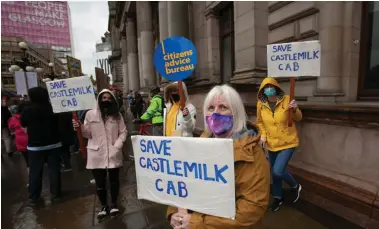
x=156 y=185
x=177 y=189
x=157 y=159
x=289 y=61
x=152 y=146
x=69 y=102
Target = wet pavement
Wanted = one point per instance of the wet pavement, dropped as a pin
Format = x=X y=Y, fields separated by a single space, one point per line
x=79 y=205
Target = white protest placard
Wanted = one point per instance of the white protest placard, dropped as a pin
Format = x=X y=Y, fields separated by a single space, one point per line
x=294 y=59
x=191 y=173
x=32 y=79
x=19 y=79
x=71 y=94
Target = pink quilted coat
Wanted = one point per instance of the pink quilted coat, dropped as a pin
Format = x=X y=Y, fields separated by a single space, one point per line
x=105 y=140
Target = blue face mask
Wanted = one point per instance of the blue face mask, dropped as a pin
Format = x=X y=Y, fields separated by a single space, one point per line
x=269 y=91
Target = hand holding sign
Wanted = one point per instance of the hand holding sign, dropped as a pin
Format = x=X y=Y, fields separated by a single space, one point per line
x=294 y=60
x=73 y=94
x=175 y=59
x=182 y=172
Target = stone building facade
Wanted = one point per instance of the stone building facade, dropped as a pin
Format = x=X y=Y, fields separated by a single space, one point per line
x=337 y=159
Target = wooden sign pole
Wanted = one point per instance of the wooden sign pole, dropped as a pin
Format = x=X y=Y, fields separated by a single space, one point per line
x=178 y=132
x=82 y=147
x=292 y=95
x=181 y=94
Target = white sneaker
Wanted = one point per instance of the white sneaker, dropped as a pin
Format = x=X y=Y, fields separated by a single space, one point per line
x=92 y=181
x=114 y=211
x=102 y=213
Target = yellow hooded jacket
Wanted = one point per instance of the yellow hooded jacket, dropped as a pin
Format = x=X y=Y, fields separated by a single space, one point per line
x=273 y=124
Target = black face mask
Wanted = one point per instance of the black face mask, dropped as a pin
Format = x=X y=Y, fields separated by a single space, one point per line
x=106 y=104
x=175 y=97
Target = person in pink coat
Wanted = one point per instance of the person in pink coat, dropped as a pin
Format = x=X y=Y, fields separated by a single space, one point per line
x=106 y=132
x=21 y=136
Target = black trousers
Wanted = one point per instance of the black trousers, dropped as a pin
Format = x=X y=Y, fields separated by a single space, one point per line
x=66 y=156
x=100 y=176
x=36 y=163
x=26 y=157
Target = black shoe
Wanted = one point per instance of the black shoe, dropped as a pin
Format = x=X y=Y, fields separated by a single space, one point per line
x=114 y=210
x=103 y=213
x=275 y=205
x=10 y=154
x=296 y=192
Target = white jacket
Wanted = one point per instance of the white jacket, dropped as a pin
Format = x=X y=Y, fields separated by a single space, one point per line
x=185 y=124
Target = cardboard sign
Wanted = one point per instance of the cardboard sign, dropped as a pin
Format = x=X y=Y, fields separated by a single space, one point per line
x=190 y=173
x=71 y=94
x=175 y=58
x=294 y=59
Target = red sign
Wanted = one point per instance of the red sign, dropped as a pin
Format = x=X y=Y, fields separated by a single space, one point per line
x=44 y=23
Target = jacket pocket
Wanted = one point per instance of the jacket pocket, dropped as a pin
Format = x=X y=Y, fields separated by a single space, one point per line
x=115 y=155
x=93 y=147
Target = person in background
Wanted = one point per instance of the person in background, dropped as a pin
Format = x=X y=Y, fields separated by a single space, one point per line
x=279 y=139
x=5 y=135
x=155 y=112
x=130 y=98
x=118 y=93
x=67 y=137
x=106 y=132
x=175 y=118
x=225 y=117
x=21 y=136
x=44 y=143
x=137 y=106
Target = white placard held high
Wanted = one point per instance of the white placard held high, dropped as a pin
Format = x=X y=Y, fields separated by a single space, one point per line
x=32 y=79
x=190 y=173
x=19 y=79
x=71 y=94
x=294 y=59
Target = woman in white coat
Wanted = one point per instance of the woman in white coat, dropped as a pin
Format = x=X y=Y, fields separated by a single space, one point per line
x=177 y=120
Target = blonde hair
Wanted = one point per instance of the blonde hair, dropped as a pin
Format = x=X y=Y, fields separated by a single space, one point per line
x=235 y=103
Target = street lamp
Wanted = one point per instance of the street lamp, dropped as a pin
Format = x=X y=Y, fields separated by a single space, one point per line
x=51 y=75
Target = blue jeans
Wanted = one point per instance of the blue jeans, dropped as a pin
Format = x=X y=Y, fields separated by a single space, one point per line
x=279 y=161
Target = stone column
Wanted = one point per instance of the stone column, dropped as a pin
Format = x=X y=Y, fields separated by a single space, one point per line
x=250 y=40
x=330 y=35
x=146 y=43
x=124 y=59
x=163 y=21
x=213 y=38
x=178 y=18
x=131 y=48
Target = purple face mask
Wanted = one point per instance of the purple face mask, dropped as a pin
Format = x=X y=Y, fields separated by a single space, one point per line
x=219 y=124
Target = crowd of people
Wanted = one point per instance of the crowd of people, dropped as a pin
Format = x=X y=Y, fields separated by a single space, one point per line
x=262 y=147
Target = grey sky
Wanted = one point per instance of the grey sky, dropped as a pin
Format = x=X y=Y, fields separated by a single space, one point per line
x=89 y=23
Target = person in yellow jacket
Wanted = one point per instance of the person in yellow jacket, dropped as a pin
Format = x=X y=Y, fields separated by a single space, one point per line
x=225 y=117
x=279 y=139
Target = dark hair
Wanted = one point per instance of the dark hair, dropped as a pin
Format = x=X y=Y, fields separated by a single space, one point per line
x=155 y=90
x=39 y=95
x=21 y=107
